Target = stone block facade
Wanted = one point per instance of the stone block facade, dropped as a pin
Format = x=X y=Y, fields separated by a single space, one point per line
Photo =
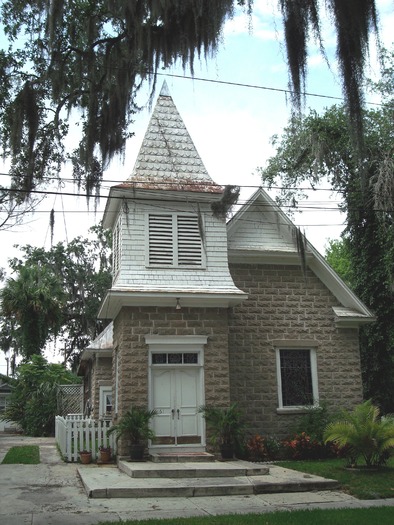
x=132 y=353
x=286 y=308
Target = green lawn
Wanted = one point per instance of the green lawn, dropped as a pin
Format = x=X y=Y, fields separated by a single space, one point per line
x=381 y=515
x=361 y=483
x=27 y=454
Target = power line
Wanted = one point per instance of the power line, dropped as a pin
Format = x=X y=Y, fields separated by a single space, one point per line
x=98 y=197
x=166 y=183
x=256 y=86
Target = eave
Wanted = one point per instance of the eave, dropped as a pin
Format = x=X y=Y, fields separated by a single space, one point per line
x=254 y=256
x=348 y=318
x=137 y=192
x=115 y=300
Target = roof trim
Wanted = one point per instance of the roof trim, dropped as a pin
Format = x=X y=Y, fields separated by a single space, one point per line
x=315 y=260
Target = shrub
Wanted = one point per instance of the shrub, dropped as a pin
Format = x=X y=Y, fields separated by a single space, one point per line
x=264 y=448
x=302 y=446
x=256 y=448
x=364 y=433
x=314 y=422
x=33 y=401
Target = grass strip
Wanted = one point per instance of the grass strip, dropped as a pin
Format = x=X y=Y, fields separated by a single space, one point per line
x=362 y=483
x=381 y=515
x=25 y=454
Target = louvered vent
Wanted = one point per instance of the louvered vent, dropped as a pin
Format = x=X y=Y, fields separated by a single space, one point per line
x=161 y=240
x=174 y=240
x=189 y=241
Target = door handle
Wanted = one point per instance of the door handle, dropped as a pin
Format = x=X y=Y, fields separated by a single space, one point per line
x=178 y=411
x=173 y=413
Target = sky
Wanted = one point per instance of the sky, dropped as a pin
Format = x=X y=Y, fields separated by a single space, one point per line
x=231 y=116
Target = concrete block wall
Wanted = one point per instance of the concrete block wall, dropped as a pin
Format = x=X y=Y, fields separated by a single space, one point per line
x=283 y=306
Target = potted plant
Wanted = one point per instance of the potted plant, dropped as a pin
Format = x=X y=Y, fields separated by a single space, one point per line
x=105 y=453
x=85 y=456
x=225 y=426
x=134 y=426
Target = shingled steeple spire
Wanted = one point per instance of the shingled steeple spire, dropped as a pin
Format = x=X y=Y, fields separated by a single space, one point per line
x=168 y=158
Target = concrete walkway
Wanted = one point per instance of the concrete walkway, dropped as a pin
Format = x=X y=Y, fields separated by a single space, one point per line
x=52 y=493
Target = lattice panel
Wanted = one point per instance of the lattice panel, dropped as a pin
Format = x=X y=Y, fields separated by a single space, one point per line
x=70 y=399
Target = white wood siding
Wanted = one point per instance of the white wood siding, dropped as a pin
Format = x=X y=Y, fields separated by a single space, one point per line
x=258 y=230
x=135 y=272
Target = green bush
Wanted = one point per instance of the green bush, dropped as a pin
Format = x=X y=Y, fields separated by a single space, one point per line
x=33 y=401
x=364 y=433
x=314 y=422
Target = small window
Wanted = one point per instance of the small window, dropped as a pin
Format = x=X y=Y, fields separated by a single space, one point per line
x=174 y=358
x=105 y=408
x=108 y=404
x=297 y=377
x=174 y=240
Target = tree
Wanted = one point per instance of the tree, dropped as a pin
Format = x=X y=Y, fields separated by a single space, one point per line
x=33 y=305
x=91 y=57
x=33 y=400
x=80 y=274
x=14 y=208
x=320 y=146
x=338 y=257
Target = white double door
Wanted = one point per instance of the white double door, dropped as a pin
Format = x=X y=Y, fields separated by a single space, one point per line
x=176 y=396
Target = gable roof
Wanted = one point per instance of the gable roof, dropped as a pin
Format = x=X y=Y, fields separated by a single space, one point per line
x=167 y=162
x=274 y=241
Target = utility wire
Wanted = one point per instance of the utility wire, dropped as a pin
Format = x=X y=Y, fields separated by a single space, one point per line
x=256 y=86
x=166 y=183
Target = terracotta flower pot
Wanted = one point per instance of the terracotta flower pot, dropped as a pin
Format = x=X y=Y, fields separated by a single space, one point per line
x=105 y=455
x=85 y=456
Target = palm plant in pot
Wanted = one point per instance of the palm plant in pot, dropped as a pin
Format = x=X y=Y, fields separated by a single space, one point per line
x=134 y=426
x=226 y=428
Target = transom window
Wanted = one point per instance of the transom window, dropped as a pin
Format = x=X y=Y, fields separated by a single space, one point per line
x=174 y=240
x=175 y=358
x=297 y=377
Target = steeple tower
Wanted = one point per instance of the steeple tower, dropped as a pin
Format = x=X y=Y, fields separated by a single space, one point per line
x=167 y=244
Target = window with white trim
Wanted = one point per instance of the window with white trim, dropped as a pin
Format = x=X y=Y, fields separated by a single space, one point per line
x=105 y=408
x=174 y=240
x=297 y=377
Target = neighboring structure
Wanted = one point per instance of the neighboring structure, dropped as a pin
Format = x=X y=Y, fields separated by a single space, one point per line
x=5 y=393
x=209 y=313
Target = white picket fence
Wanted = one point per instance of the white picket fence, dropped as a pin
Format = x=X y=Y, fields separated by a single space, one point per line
x=74 y=434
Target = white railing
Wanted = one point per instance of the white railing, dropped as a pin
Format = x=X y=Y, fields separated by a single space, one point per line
x=74 y=417
x=73 y=435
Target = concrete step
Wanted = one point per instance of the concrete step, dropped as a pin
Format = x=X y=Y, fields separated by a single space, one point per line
x=209 y=469
x=170 y=457
x=112 y=483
